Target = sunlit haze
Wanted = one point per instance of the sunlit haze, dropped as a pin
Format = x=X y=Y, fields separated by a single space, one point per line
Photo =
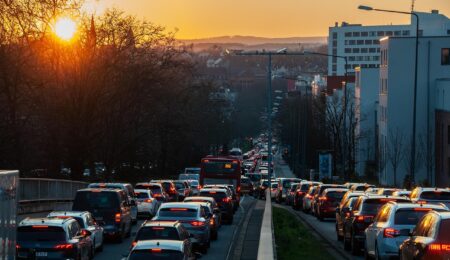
x=65 y=28
x=269 y=18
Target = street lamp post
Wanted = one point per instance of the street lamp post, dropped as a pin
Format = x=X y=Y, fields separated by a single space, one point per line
x=413 y=140
x=281 y=52
x=345 y=98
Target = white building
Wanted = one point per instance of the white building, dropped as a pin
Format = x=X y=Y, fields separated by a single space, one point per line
x=396 y=104
x=366 y=104
x=360 y=44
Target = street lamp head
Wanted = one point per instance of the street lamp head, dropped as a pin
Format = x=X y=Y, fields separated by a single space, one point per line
x=365 y=8
x=283 y=50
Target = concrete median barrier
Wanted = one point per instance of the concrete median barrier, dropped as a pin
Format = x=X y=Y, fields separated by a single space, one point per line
x=266 y=248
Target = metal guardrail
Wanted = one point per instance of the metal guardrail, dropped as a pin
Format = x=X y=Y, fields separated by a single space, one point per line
x=37 y=189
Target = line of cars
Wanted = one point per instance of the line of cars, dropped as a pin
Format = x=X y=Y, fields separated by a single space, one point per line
x=108 y=210
x=381 y=223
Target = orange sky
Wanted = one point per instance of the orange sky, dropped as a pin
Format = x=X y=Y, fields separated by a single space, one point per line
x=269 y=18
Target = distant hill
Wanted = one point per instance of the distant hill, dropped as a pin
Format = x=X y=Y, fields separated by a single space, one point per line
x=253 y=40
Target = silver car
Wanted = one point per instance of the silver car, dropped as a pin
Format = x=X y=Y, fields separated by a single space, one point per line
x=160 y=249
x=392 y=225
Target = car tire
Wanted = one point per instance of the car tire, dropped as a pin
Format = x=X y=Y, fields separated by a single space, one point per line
x=214 y=235
x=366 y=253
x=339 y=238
x=347 y=244
x=100 y=248
x=129 y=232
x=377 y=252
x=354 y=246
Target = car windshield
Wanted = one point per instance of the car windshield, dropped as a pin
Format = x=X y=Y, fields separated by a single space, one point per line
x=409 y=216
x=177 y=212
x=86 y=200
x=40 y=233
x=142 y=195
x=155 y=255
x=218 y=196
x=435 y=195
x=164 y=233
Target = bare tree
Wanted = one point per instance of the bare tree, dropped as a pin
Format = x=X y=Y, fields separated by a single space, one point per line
x=395 y=151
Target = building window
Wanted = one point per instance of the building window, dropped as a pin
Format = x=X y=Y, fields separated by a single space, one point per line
x=389 y=33
x=397 y=33
x=355 y=50
x=352 y=42
x=334 y=58
x=372 y=65
x=348 y=34
x=367 y=58
x=360 y=42
x=448 y=134
x=351 y=58
x=334 y=51
x=405 y=33
x=355 y=34
x=420 y=32
x=448 y=32
x=445 y=56
x=372 y=50
x=334 y=68
x=376 y=41
x=375 y=58
x=380 y=33
x=346 y=42
x=334 y=35
x=364 y=66
x=364 y=50
x=368 y=42
x=373 y=34
x=364 y=34
x=348 y=50
x=360 y=58
x=334 y=43
x=378 y=50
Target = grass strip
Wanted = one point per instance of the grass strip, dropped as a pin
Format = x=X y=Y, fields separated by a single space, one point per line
x=293 y=240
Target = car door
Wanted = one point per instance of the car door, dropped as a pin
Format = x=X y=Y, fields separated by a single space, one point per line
x=373 y=229
x=75 y=234
x=409 y=246
x=97 y=231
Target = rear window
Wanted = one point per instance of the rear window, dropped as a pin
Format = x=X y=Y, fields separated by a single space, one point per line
x=193 y=183
x=245 y=181
x=322 y=188
x=388 y=192
x=156 y=255
x=179 y=185
x=87 y=200
x=218 y=196
x=371 y=206
x=287 y=183
x=444 y=235
x=164 y=233
x=336 y=195
x=435 y=195
x=40 y=233
x=304 y=187
x=177 y=212
x=409 y=216
x=275 y=185
x=141 y=195
x=166 y=185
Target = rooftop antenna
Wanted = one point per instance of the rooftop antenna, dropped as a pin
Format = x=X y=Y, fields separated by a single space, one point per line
x=412 y=5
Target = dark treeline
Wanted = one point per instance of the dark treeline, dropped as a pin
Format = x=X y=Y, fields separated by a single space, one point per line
x=121 y=93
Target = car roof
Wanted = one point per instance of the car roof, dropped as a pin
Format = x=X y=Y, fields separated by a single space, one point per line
x=433 y=189
x=174 y=245
x=142 y=190
x=214 y=189
x=336 y=189
x=201 y=203
x=200 y=198
x=57 y=222
x=179 y=205
x=68 y=213
x=417 y=205
x=156 y=223
x=102 y=190
x=376 y=196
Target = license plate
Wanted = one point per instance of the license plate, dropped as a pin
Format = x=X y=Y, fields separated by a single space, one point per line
x=41 y=254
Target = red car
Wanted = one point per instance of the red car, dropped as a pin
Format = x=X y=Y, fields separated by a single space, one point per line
x=328 y=202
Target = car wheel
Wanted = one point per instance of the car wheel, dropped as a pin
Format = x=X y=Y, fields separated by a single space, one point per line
x=347 y=244
x=366 y=253
x=129 y=232
x=92 y=252
x=354 y=246
x=214 y=235
x=100 y=248
x=339 y=238
x=377 y=253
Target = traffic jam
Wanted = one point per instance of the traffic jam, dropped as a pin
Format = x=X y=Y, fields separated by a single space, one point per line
x=181 y=216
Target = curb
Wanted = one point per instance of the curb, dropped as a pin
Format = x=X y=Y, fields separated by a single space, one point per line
x=266 y=240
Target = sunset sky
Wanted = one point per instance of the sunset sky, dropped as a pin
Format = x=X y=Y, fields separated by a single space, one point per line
x=268 y=18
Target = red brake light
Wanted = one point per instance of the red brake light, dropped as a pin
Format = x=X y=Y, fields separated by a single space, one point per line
x=148 y=200
x=40 y=226
x=212 y=192
x=117 y=217
x=156 y=250
x=178 y=209
x=226 y=200
x=323 y=198
x=422 y=201
x=197 y=223
x=64 y=246
x=364 y=218
x=133 y=244
x=211 y=221
x=439 y=247
x=17 y=246
x=239 y=188
x=391 y=232
x=157 y=228
x=421 y=209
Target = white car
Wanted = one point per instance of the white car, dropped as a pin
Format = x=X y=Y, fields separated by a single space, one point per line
x=86 y=221
x=273 y=190
x=392 y=225
x=146 y=204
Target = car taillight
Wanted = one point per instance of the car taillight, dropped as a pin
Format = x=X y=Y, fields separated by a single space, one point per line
x=300 y=193
x=17 y=246
x=436 y=248
x=364 y=218
x=391 y=232
x=323 y=198
x=197 y=223
x=117 y=217
x=133 y=244
x=148 y=200
x=156 y=250
x=211 y=221
x=226 y=200
x=64 y=246
x=238 y=188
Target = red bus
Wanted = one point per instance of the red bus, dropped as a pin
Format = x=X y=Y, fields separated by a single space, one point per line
x=221 y=170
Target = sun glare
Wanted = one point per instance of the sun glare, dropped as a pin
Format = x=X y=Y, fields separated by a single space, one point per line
x=65 y=28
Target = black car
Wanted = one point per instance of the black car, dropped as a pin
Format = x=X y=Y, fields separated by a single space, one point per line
x=162 y=230
x=224 y=201
x=53 y=238
x=110 y=208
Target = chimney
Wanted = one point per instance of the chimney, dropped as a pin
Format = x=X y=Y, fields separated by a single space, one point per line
x=336 y=24
x=434 y=11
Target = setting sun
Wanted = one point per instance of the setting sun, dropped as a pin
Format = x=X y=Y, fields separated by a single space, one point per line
x=65 y=28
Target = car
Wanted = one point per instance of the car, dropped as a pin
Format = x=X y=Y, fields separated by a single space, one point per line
x=234 y=196
x=300 y=193
x=162 y=230
x=86 y=221
x=308 y=198
x=192 y=216
x=387 y=191
x=261 y=189
x=128 y=189
x=147 y=205
x=157 y=190
x=183 y=189
x=194 y=186
x=402 y=193
x=291 y=193
x=392 y=225
x=246 y=186
x=431 y=195
x=273 y=190
x=224 y=201
x=210 y=200
x=430 y=238
x=54 y=238
x=213 y=217
x=373 y=190
x=169 y=188
x=110 y=208
x=342 y=213
x=283 y=188
x=318 y=194
x=161 y=249
x=361 y=216
x=329 y=201
x=361 y=187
